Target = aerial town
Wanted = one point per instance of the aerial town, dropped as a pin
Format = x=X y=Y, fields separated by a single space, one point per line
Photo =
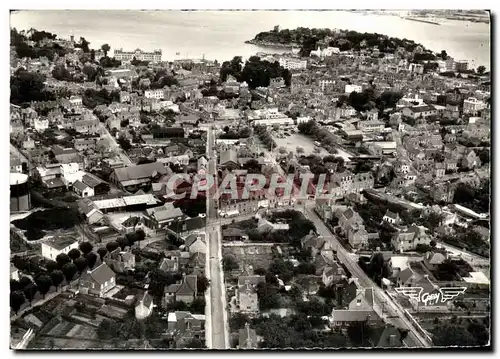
x=385 y=245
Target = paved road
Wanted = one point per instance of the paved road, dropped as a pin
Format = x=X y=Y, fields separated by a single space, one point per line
x=217 y=330
x=393 y=312
x=114 y=145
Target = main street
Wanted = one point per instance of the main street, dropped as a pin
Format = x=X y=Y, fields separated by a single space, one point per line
x=394 y=313
x=217 y=323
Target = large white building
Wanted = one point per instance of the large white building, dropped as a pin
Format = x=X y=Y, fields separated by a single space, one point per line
x=53 y=247
x=293 y=64
x=157 y=94
x=472 y=105
x=353 y=88
x=154 y=56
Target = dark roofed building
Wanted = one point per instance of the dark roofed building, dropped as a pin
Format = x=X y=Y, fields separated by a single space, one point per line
x=184 y=291
x=97 y=281
x=134 y=177
x=99 y=186
x=247 y=338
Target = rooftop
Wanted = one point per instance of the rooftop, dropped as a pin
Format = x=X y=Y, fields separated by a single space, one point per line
x=60 y=243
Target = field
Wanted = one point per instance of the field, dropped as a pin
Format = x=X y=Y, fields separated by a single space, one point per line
x=250 y=257
x=297 y=140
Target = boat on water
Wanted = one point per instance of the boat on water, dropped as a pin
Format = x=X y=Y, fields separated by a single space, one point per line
x=420 y=20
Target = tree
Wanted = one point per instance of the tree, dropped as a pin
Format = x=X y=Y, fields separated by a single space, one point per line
x=481 y=70
x=452 y=335
x=359 y=333
x=62 y=259
x=107 y=329
x=57 y=277
x=102 y=252
x=24 y=282
x=316 y=150
x=86 y=247
x=16 y=301
x=229 y=263
x=140 y=235
x=51 y=266
x=282 y=150
x=91 y=258
x=299 y=150
x=20 y=263
x=74 y=253
x=195 y=343
x=202 y=284
x=123 y=242
x=14 y=285
x=43 y=282
x=105 y=48
x=30 y=292
x=480 y=333
x=198 y=305
x=111 y=246
x=444 y=55
x=80 y=263
x=69 y=270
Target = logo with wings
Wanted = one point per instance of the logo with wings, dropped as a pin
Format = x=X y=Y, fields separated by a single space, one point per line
x=441 y=296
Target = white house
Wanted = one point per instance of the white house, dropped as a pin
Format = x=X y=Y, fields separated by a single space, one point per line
x=157 y=94
x=196 y=243
x=353 y=88
x=144 y=306
x=53 y=247
x=82 y=189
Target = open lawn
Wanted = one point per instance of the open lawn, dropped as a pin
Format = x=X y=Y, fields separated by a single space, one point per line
x=250 y=257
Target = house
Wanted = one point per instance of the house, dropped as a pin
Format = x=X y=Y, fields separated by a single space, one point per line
x=165 y=215
x=234 y=234
x=184 y=291
x=202 y=163
x=55 y=246
x=314 y=243
x=144 y=306
x=332 y=274
x=439 y=169
x=90 y=126
x=136 y=176
x=229 y=159
x=169 y=264
x=97 y=281
x=247 y=338
x=184 y=327
x=348 y=218
x=360 y=310
x=470 y=160
x=407 y=278
x=433 y=259
x=407 y=240
x=357 y=236
x=196 y=243
x=82 y=189
x=98 y=186
x=246 y=293
x=391 y=217
x=91 y=212
x=66 y=155
x=420 y=111
x=390 y=337
x=120 y=261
